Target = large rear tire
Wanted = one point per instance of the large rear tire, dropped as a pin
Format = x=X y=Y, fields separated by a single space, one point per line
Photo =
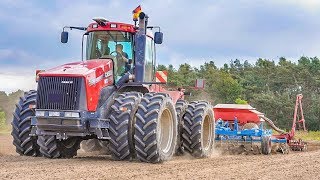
x=21 y=126
x=51 y=147
x=198 y=129
x=155 y=128
x=181 y=106
x=121 y=125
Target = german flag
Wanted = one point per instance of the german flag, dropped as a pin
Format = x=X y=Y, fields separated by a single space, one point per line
x=136 y=13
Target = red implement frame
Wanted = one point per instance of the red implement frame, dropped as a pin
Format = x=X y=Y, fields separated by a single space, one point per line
x=296 y=145
x=301 y=122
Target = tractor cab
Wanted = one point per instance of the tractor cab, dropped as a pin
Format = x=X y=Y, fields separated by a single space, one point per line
x=116 y=41
x=110 y=42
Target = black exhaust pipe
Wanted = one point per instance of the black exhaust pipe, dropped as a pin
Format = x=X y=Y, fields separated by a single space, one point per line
x=140 y=39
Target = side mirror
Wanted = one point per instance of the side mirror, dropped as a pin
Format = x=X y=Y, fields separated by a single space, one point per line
x=158 y=37
x=64 y=37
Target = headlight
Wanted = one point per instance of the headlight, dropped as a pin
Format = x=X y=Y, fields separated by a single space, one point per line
x=40 y=113
x=52 y=113
x=72 y=114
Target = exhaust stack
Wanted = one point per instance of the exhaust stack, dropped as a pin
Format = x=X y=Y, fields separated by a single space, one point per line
x=140 y=47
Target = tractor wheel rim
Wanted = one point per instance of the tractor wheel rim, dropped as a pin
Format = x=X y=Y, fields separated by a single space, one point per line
x=206 y=135
x=165 y=129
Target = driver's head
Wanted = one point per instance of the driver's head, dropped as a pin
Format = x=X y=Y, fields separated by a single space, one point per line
x=119 y=47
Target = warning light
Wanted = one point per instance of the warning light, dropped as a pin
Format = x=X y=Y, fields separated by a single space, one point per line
x=126 y=27
x=136 y=13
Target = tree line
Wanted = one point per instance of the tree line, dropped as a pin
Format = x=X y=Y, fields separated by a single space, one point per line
x=271 y=87
x=268 y=86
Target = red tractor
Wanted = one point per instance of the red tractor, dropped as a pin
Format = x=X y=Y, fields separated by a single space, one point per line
x=111 y=96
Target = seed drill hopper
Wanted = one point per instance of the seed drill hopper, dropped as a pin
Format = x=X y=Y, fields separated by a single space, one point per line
x=243 y=125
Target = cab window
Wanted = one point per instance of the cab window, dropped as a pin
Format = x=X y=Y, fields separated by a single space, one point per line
x=149 y=60
x=103 y=45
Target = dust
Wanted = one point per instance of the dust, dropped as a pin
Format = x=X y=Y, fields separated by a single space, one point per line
x=93 y=153
x=199 y=95
x=313 y=145
x=216 y=152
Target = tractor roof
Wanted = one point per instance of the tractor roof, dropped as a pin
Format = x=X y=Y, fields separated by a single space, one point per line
x=111 y=26
x=116 y=26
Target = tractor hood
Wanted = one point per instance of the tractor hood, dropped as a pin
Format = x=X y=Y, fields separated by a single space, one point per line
x=95 y=74
x=84 y=69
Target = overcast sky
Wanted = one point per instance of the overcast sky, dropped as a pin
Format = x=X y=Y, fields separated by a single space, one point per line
x=194 y=31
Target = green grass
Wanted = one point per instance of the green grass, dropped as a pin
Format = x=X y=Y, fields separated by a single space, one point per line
x=304 y=135
x=308 y=136
x=5 y=129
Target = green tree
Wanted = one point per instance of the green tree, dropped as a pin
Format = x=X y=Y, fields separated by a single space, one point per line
x=268 y=86
x=240 y=101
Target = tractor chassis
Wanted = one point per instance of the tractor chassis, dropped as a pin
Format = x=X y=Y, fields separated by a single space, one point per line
x=88 y=124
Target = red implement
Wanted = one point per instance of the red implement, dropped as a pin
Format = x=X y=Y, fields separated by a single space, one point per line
x=243 y=113
x=296 y=145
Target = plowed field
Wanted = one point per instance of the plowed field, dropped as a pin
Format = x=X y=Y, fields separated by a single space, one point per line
x=301 y=165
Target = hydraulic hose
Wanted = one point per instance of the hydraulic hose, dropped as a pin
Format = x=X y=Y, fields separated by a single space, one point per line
x=274 y=127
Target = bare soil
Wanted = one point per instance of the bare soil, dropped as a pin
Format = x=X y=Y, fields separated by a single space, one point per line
x=295 y=165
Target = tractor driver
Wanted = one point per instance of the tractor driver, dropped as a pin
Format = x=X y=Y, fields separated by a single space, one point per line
x=104 y=49
x=123 y=61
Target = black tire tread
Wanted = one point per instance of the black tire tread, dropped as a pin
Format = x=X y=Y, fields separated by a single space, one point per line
x=192 y=128
x=50 y=147
x=121 y=122
x=181 y=106
x=146 y=128
x=21 y=126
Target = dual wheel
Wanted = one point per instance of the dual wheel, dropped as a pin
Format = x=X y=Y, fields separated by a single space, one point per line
x=151 y=129
x=145 y=127
x=198 y=129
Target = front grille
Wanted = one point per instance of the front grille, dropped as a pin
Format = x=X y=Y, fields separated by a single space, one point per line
x=62 y=93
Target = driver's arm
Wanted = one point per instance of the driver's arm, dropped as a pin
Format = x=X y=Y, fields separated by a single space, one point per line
x=125 y=57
